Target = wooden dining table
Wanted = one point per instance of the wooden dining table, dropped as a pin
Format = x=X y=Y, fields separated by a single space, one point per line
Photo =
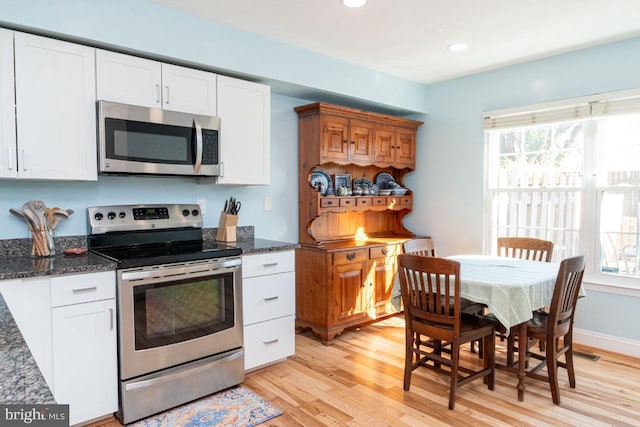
x=512 y=289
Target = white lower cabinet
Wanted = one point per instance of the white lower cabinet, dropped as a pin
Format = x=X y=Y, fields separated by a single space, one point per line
x=268 y=306
x=84 y=345
x=69 y=324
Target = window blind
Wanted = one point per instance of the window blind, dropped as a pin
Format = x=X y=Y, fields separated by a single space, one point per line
x=624 y=102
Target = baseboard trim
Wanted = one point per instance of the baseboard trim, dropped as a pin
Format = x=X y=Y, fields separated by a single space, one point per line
x=607 y=342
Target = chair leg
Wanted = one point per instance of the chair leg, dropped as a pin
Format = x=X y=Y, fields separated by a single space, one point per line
x=551 y=349
x=411 y=341
x=511 y=341
x=455 y=359
x=568 y=341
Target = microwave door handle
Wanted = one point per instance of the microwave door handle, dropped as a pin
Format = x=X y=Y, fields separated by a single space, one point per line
x=198 y=128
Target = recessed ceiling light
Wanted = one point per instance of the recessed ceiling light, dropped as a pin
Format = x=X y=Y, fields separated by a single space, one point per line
x=457 y=47
x=354 y=3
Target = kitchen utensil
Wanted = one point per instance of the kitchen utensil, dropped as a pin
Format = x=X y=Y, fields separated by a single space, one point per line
x=54 y=215
x=39 y=209
x=21 y=215
x=33 y=218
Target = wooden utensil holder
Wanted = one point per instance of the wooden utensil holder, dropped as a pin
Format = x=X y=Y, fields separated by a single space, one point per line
x=227 y=227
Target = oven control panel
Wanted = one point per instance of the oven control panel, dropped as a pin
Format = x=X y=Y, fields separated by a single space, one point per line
x=104 y=219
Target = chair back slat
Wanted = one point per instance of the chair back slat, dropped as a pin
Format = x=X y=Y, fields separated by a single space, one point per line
x=424 y=246
x=525 y=248
x=565 y=295
x=430 y=288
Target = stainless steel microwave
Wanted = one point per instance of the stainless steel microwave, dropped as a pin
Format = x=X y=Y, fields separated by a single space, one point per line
x=152 y=141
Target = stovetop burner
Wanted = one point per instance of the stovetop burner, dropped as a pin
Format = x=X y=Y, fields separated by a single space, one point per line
x=144 y=235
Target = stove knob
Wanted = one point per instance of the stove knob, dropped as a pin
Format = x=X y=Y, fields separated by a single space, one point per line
x=111 y=215
x=195 y=212
x=122 y=214
x=185 y=212
x=98 y=216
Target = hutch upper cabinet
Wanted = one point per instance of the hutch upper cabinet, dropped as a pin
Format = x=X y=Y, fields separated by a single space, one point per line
x=346 y=263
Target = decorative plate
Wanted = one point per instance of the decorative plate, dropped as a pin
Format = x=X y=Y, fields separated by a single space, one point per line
x=320 y=180
x=382 y=180
x=362 y=183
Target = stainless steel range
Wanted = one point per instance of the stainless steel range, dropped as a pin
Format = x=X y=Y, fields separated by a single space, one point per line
x=179 y=305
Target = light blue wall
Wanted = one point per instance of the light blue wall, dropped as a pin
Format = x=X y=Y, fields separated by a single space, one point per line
x=448 y=182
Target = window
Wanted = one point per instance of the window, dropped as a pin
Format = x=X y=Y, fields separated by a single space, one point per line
x=570 y=174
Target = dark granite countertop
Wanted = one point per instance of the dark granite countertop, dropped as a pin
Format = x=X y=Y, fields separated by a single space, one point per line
x=20 y=377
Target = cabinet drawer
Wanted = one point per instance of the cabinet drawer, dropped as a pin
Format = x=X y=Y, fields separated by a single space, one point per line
x=353 y=255
x=347 y=201
x=80 y=288
x=379 y=201
x=384 y=251
x=330 y=202
x=268 y=263
x=363 y=201
x=268 y=342
x=268 y=297
x=400 y=201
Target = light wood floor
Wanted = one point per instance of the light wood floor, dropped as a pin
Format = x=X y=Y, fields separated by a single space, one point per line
x=357 y=381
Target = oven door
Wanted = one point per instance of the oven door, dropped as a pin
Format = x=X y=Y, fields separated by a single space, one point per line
x=177 y=313
x=141 y=140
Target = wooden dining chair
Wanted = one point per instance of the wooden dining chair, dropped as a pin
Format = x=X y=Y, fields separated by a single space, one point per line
x=420 y=246
x=431 y=295
x=554 y=328
x=525 y=248
x=426 y=246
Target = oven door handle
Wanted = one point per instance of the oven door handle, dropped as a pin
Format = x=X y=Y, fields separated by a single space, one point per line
x=168 y=376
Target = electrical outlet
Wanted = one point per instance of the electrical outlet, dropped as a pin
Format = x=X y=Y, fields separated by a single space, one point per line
x=267 y=203
x=203 y=205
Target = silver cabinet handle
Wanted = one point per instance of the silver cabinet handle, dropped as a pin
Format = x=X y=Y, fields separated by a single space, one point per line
x=273 y=341
x=23 y=160
x=157 y=93
x=166 y=100
x=83 y=290
x=270 y=264
x=11 y=159
x=271 y=298
x=111 y=319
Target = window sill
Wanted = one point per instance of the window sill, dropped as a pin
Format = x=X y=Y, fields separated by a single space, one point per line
x=610 y=284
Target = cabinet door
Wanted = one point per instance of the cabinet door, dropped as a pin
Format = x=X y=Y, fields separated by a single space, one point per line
x=385 y=273
x=361 y=142
x=405 y=148
x=56 y=113
x=385 y=143
x=188 y=90
x=128 y=79
x=7 y=107
x=244 y=109
x=351 y=290
x=85 y=359
x=334 y=143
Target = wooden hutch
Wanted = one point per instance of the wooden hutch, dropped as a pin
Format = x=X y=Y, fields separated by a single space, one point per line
x=341 y=280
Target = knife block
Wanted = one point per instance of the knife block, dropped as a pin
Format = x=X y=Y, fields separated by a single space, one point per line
x=227 y=227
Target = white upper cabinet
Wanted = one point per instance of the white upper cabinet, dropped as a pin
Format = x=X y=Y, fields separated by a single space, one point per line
x=55 y=109
x=138 y=81
x=245 y=131
x=7 y=107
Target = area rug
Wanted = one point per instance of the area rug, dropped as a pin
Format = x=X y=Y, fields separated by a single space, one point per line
x=236 y=407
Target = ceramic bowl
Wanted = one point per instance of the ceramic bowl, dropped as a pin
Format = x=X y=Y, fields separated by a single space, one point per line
x=385 y=192
x=398 y=191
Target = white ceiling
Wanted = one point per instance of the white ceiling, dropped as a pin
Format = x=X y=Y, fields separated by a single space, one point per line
x=409 y=38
